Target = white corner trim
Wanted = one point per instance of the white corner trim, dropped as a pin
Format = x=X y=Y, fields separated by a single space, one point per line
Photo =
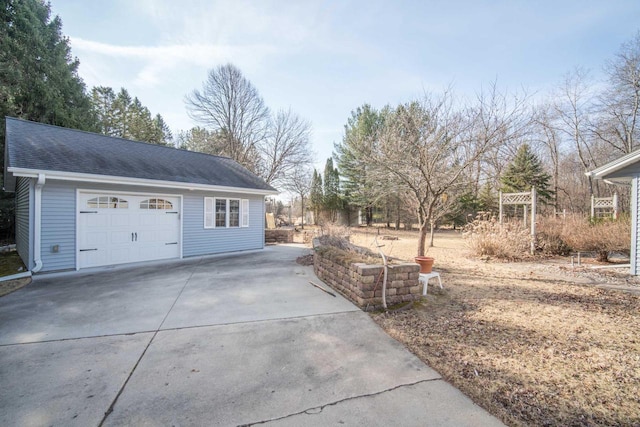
x=109 y=179
x=37 y=222
x=634 y=227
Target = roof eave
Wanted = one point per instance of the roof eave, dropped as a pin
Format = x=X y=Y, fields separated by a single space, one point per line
x=108 y=179
x=603 y=171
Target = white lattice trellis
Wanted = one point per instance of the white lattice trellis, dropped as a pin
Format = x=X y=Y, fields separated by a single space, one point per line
x=524 y=198
x=604 y=206
x=516 y=198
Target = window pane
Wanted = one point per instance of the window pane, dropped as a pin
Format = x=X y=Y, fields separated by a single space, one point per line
x=93 y=203
x=234 y=213
x=245 y=212
x=221 y=213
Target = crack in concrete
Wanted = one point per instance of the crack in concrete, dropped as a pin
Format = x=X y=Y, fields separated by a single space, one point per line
x=179 y=328
x=318 y=409
x=124 y=385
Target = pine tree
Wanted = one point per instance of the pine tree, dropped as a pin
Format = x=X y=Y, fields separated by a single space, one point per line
x=38 y=78
x=331 y=189
x=524 y=172
x=316 y=195
x=360 y=136
x=125 y=117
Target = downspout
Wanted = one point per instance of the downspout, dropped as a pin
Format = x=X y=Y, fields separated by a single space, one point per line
x=37 y=223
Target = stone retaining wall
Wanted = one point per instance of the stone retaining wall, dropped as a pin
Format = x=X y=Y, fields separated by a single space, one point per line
x=278 y=236
x=362 y=283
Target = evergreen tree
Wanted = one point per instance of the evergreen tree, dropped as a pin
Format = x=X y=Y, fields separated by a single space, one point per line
x=487 y=200
x=360 y=137
x=316 y=195
x=125 y=117
x=38 y=78
x=331 y=189
x=524 y=172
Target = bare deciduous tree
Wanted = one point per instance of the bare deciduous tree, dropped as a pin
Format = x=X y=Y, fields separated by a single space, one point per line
x=422 y=148
x=572 y=111
x=240 y=126
x=231 y=106
x=299 y=182
x=620 y=103
x=286 y=148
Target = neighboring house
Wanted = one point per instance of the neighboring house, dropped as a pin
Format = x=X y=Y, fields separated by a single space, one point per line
x=88 y=200
x=626 y=170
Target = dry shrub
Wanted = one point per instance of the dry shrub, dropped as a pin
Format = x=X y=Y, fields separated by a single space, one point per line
x=602 y=236
x=335 y=244
x=346 y=257
x=334 y=230
x=507 y=241
x=549 y=236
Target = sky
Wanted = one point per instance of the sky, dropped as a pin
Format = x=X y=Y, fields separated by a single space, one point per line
x=323 y=59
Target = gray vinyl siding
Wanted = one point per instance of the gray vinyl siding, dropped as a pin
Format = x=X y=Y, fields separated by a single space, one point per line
x=58 y=226
x=24 y=219
x=635 y=229
x=202 y=241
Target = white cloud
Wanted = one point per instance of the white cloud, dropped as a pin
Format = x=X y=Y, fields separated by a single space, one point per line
x=157 y=61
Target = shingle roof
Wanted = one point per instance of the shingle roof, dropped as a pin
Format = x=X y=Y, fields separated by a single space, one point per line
x=37 y=146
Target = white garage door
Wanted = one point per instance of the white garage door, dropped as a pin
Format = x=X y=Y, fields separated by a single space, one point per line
x=120 y=228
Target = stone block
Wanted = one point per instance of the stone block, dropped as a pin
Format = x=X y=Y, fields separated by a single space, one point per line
x=367 y=279
x=369 y=270
x=397 y=284
x=406 y=268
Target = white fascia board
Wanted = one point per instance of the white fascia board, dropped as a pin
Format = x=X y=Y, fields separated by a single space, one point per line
x=615 y=165
x=107 y=179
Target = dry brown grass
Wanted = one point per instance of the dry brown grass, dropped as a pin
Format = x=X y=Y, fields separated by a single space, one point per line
x=510 y=240
x=603 y=236
x=525 y=340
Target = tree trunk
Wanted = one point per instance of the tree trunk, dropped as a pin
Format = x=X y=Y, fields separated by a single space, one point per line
x=431 y=234
x=422 y=240
x=302 y=207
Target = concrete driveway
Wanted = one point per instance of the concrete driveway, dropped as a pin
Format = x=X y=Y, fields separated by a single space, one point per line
x=231 y=340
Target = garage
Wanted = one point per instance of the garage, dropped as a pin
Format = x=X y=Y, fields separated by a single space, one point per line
x=117 y=228
x=85 y=200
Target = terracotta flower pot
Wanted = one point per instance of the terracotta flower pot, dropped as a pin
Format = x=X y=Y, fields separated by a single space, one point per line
x=426 y=263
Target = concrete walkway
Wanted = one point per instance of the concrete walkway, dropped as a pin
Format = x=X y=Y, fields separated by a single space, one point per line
x=231 y=340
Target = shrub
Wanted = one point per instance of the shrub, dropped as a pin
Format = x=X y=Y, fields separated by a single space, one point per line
x=507 y=241
x=602 y=236
x=549 y=236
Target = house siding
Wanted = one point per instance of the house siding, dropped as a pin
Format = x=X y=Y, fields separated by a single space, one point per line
x=203 y=241
x=24 y=228
x=58 y=227
x=59 y=222
x=635 y=230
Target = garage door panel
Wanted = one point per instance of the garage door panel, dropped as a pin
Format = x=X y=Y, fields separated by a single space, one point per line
x=96 y=221
x=134 y=228
x=121 y=220
x=96 y=238
x=121 y=237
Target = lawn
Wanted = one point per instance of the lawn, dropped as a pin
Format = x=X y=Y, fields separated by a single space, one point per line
x=534 y=343
x=10 y=263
